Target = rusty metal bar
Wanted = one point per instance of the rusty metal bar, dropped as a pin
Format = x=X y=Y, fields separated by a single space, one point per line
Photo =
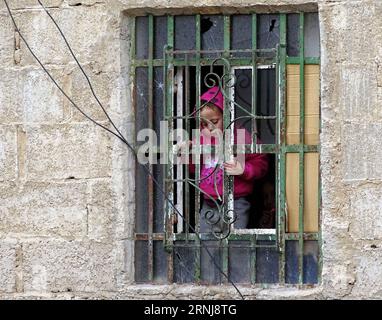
x=206 y=61
x=150 y=184
x=197 y=138
x=228 y=117
x=233 y=237
x=320 y=258
x=253 y=251
x=282 y=103
x=301 y=153
x=254 y=83
x=307 y=60
x=168 y=107
x=188 y=129
x=133 y=35
x=179 y=167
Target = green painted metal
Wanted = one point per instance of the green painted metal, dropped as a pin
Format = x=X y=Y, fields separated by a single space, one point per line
x=150 y=124
x=235 y=62
x=308 y=236
x=188 y=129
x=253 y=259
x=254 y=31
x=168 y=109
x=307 y=60
x=170 y=31
x=254 y=128
x=227 y=33
x=282 y=103
x=281 y=157
x=301 y=148
x=320 y=255
x=198 y=46
x=319 y=234
x=132 y=24
x=228 y=116
x=254 y=81
x=301 y=153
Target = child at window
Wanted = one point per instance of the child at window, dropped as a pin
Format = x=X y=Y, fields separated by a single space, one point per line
x=211 y=183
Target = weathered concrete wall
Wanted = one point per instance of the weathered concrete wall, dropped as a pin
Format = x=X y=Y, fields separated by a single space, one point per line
x=67 y=188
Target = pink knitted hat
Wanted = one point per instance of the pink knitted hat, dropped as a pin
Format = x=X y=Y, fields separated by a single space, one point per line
x=214 y=96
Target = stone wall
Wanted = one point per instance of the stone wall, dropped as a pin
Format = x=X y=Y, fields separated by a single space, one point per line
x=67 y=187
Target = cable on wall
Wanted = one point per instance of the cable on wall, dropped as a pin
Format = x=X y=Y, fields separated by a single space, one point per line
x=117 y=135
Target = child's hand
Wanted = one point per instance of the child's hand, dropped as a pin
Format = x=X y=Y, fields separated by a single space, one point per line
x=182 y=147
x=233 y=168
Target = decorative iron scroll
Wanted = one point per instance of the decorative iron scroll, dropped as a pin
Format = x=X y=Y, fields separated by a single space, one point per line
x=222 y=218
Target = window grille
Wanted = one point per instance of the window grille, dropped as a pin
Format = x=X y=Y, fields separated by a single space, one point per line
x=278 y=55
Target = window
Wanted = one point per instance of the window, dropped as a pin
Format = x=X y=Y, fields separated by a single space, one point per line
x=268 y=66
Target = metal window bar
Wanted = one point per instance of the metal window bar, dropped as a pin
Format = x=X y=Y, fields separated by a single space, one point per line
x=179 y=168
x=198 y=46
x=280 y=173
x=150 y=124
x=301 y=153
x=228 y=117
x=253 y=251
x=168 y=85
x=188 y=129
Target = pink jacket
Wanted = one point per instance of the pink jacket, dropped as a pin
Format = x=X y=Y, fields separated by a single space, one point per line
x=256 y=166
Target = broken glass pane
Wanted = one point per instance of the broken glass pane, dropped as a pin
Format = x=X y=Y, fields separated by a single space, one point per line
x=268 y=31
x=212 y=33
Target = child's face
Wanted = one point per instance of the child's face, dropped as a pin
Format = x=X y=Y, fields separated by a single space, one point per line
x=211 y=119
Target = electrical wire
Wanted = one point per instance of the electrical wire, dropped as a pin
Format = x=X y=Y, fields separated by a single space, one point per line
x=54 y=81
x=118 y=134
x=82 y=70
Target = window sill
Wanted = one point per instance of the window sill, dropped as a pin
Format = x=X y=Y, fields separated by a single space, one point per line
x=226 y=291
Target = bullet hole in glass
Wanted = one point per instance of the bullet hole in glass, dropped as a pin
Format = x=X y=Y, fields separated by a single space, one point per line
x=206 y=24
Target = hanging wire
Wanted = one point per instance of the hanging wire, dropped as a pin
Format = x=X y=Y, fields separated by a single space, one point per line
x=117 y=135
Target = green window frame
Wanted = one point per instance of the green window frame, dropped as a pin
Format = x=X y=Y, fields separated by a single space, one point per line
x=161 y=254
